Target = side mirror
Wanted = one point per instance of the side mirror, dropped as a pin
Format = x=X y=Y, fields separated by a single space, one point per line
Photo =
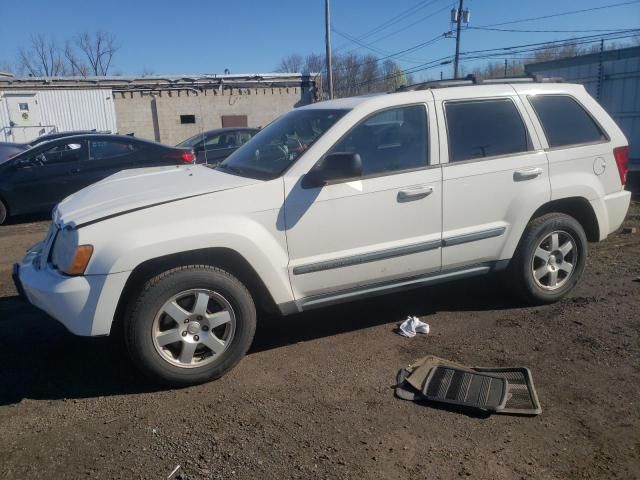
x=334 y=167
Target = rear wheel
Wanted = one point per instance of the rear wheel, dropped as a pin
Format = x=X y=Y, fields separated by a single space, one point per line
x=549 y=260
x=3 y=213
x=190 y=325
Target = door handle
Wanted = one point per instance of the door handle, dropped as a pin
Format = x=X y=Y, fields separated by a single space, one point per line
x=74 y=170
x=527 y=174
x=414 y=193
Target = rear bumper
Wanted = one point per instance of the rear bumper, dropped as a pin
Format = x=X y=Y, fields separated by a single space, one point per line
x=611 y=211
x=85 y=305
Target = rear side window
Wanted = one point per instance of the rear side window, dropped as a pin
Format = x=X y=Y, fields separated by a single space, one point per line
x=484 y=128
x=105 y=149
x=565 y=121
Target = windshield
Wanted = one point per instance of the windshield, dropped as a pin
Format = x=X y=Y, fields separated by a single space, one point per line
x=281 y=143
x=191 y=142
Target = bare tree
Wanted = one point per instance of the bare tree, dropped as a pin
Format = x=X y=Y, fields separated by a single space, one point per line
x=313 y=63
x=76 y=65
x=42 y=58
x=98 y=48
x=291 y=64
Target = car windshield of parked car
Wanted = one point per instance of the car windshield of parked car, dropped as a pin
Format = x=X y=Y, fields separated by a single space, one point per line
x=281 y=143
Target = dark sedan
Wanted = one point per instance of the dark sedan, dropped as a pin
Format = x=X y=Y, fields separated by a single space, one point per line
x=214 y=146
x=35 y=180
x=8 y=149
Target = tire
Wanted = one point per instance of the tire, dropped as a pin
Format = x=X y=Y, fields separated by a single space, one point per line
x=189 y=325
x=3 y=213
x=531 y=276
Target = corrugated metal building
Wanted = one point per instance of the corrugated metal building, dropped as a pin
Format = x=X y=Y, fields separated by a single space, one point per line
x=166 y=109
x=28 y=113
x=613 y=78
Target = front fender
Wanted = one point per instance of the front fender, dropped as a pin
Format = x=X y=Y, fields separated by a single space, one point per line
x=122 y=243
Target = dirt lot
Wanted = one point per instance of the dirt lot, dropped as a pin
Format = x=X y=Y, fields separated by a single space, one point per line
x=313 y=399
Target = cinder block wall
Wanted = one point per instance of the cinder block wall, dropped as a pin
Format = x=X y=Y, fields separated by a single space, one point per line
x=135 y=110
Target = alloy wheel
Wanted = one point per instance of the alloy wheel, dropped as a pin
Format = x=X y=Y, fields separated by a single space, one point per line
x=193 y=328
x=554 y=260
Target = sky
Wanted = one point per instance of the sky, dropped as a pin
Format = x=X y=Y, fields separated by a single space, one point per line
x=196 y=37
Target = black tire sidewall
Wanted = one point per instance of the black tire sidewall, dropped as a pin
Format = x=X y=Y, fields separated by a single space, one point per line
x=139 y=324
x=4 y=214
x=525 y=284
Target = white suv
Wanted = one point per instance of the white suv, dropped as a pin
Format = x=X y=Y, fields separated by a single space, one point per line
x=332 y=202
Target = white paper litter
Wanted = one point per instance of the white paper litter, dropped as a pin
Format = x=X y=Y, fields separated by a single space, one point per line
x=413 y=325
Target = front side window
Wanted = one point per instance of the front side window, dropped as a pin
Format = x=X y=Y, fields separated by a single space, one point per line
x=484 y=128
x=61 y=153
x=105 y=149
x=281 y=143
x=389 y=141
x=565 y=121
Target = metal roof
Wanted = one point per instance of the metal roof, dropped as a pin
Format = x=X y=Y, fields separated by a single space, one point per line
x=159 y=81
x=605 y=56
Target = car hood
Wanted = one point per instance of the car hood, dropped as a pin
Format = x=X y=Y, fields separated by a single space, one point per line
x=132 y=190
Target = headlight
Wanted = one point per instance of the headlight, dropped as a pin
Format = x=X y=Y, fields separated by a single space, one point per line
x=67 y=255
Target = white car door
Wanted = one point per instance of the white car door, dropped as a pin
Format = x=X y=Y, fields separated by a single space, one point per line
x=374 y=230
x=495 y=177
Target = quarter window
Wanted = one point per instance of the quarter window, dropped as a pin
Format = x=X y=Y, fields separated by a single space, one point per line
x=565 y=121
x=389 y=141
x=484 y=128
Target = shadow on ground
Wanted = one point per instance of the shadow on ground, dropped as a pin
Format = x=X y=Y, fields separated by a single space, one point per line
x=39 y=359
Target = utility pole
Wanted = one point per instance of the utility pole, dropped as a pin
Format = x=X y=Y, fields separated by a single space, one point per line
x=458 y=28
x=505 y=68
x=327 y=15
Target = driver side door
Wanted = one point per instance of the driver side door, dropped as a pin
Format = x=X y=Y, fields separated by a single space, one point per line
x=373 y=232
x=47 y=175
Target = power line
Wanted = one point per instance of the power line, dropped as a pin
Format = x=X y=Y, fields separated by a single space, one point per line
x=509 y=30
x=394 y=32
x=562 y=14
x=511 y=50
x=396 y=54
x=421 y=19
x=393 y=20
x=561 y=41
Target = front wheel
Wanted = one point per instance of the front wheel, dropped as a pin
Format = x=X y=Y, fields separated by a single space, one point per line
x=190 y=325
x=3 y=213
x=549 y=260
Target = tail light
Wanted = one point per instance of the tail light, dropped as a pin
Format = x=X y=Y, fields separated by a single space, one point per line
x=188 y=157
x=621 y=154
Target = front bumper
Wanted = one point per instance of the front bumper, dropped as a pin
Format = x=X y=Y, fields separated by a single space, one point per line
x=85 y=305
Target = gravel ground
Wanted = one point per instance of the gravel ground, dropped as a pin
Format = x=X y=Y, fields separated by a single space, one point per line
x=314 y=397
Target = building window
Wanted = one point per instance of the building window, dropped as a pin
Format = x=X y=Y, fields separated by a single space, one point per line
x=187 y=119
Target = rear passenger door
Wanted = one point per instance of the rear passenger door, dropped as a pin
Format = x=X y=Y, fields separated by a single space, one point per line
x=495 y=177
x=109 y=156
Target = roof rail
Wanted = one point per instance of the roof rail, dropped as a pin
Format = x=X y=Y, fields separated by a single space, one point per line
x=473 y=80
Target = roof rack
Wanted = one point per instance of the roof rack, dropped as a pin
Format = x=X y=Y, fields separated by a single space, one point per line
x=473 y=80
